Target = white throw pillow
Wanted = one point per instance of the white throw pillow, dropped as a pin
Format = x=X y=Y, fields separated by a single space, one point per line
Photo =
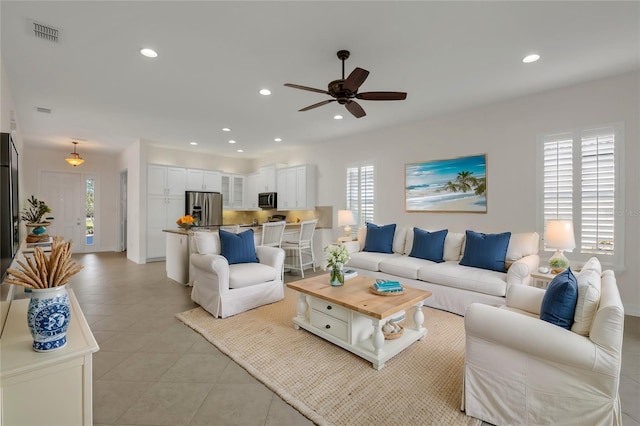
x=398 y=239
x=522 y=244
x=207 y=242
x=362 y=236
x=588 y=300
x=408 y=241
x=593 y=263
x=453 y=246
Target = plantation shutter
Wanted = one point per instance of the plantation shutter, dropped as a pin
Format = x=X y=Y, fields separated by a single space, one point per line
x=367 y=195
x=360 y=193
x=558 y=178
x=598 y=191
x=353 y=191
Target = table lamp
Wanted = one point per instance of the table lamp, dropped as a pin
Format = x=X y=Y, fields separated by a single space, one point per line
x=559 y=235
x=346 y=219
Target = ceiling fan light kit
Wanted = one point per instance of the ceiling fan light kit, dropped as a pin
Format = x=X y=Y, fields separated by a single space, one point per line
x=344 y=91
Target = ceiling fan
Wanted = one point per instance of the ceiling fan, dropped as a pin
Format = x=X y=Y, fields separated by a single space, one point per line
x=346 y=90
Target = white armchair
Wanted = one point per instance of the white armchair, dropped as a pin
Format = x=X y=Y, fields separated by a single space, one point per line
x=522 y=370
x=225 y=290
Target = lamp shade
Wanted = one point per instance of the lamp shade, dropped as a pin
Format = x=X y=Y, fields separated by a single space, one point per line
x=345 y=218
x=75 y=159
x=559 y=235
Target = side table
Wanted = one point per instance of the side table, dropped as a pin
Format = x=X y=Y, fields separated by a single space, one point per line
x=541 y=280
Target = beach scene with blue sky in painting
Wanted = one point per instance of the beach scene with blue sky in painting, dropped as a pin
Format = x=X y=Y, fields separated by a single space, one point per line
x=454 y=185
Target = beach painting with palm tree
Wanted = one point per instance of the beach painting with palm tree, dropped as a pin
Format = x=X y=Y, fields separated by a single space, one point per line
x=454 y=185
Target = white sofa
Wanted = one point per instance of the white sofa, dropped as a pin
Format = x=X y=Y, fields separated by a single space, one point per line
x=522 y=370
x=453 y=286
x=225 y=290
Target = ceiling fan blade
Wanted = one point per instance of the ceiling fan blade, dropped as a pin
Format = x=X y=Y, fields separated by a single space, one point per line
x=355 y=79
x=317 y=105
x=310 y=89
x=354 y=108
x=382 y=96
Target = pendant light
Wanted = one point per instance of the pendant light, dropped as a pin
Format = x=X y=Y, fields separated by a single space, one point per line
x=75 y=159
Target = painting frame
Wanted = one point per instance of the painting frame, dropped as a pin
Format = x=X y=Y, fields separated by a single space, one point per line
x=453 y=185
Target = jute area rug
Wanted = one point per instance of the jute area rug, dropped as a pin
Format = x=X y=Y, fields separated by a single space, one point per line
x=420 y=386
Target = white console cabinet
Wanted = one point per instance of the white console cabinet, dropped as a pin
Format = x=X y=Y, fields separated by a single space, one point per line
x=50 y=388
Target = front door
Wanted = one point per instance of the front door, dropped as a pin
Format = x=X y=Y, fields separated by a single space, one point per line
x=65 y=193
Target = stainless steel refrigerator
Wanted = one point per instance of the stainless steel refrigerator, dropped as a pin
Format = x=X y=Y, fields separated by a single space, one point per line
x=204 y=207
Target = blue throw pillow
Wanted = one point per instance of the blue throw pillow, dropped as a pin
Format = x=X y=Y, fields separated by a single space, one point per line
x=486 y=251
x=238 y=248
x=379 y=239
x=428 y=245
x=559 y=301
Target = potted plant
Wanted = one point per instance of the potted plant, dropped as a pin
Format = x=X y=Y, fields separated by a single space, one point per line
x=558 y=264
x=34 y=211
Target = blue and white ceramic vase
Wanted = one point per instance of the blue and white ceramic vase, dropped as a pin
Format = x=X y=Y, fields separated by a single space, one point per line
x=48 y=318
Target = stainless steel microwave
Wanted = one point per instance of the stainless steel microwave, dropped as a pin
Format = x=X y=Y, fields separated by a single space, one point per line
x=268 y=200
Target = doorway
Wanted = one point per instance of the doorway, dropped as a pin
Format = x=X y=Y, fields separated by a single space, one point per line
x=73 y=201
x=122 y=224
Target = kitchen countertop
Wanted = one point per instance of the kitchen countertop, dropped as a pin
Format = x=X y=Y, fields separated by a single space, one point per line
x=256 y=229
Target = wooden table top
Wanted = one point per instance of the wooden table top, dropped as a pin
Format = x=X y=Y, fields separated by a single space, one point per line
x=355 y=295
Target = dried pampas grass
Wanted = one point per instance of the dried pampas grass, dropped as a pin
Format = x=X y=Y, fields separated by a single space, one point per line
x=42 y=272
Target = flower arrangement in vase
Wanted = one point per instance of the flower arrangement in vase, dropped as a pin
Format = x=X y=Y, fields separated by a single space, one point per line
x=337 y=256
x=49 y=310
x=185 y=222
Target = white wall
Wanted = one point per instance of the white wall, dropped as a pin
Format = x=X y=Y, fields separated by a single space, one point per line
x=103 y=167
x=507 y=132
x=7 y=107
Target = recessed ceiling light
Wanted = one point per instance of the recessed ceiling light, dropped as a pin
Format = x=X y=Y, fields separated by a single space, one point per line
x=265 y=92
x=149 y=53
x=530 y=58
x=337 y=117
x=226 y=129
x=241 y=150
x=232 y=141
x=278 y=139
x=193 y=143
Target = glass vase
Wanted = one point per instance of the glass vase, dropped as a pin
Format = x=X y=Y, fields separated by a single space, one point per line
x=337 y=276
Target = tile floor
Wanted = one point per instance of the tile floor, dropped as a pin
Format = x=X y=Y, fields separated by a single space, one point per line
x=153 y=370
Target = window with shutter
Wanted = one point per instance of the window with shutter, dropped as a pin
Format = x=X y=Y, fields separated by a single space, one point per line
x=361 y=192
x=580 y=175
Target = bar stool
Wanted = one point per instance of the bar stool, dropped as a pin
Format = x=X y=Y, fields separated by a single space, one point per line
x=272 y=233
x=299 y=254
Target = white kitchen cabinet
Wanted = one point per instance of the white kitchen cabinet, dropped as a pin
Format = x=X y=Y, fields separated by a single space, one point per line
x=165 y=180
x=204 y=180
x=52 y=388
x=165 y=204
x=267 y=181
x=177 y=263
x=296 y=187
x=252 y=185
x=162 y=213
x=232 y=192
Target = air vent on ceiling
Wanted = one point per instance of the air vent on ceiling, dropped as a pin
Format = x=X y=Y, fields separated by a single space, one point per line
x=45 y=110
x=45 y=32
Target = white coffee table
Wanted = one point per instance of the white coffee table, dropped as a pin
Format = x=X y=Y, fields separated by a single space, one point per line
x=351 y=316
